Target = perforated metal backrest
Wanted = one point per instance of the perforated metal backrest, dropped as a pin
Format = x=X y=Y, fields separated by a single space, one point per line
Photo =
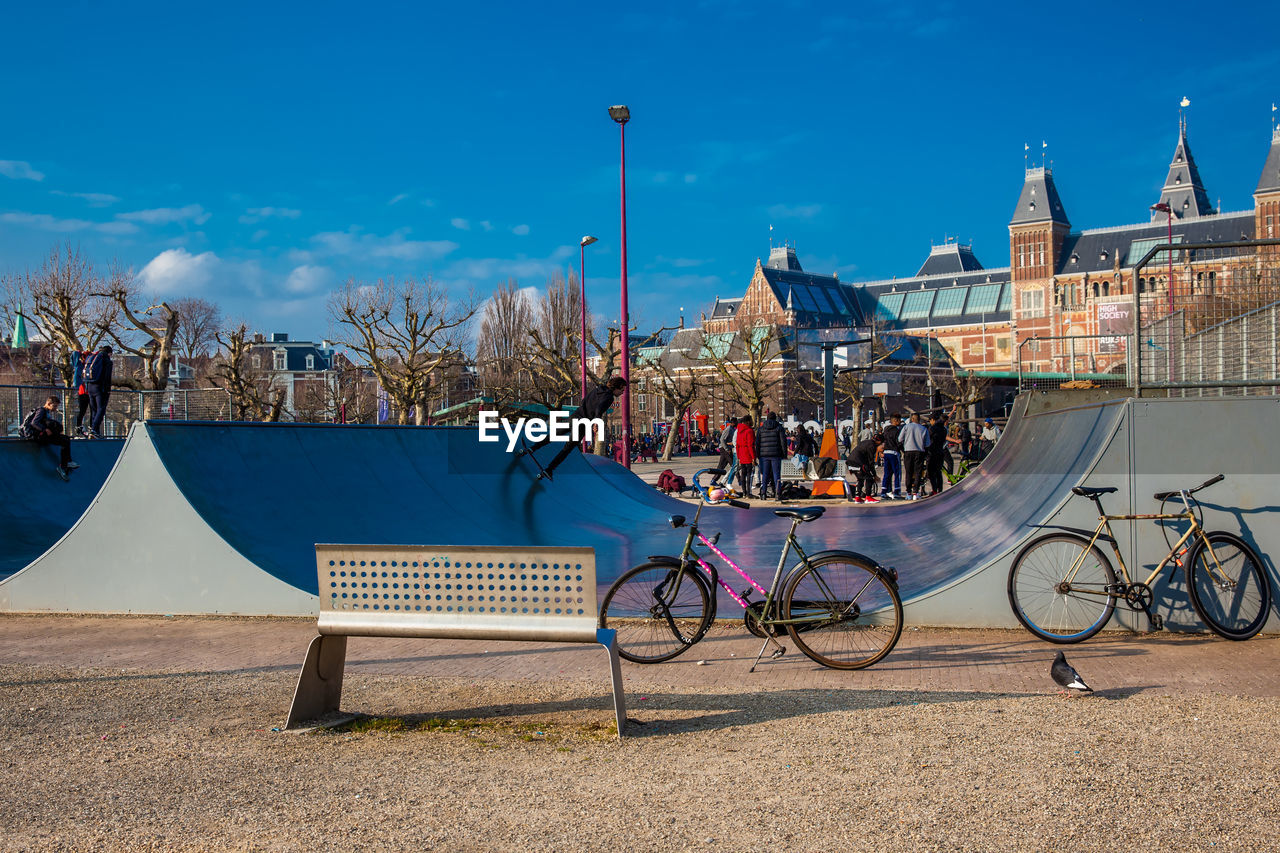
x=531 y=593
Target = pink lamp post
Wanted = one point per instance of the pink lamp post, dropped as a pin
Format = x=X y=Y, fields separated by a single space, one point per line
x=621 y=114
x=1166 y=209
x=582 y=280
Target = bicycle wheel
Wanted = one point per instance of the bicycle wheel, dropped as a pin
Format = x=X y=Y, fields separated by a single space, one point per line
x=1051 y=606
x=1231 y=594
x=855 y=611
x=657 y=618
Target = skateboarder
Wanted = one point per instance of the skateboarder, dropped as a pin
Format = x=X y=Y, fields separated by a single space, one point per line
x=594 y=405
x=43 y=428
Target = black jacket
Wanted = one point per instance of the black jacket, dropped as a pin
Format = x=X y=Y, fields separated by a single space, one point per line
x=804 y=443
x=891 y=438
x=771 y=440
x=937 y=439
x=596 y=403
x=42 y=419
x=863 y=454
x=100 y=364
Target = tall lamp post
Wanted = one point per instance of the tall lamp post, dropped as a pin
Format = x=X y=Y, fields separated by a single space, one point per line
x=1168 y=211
x=622 y=115
x=582 y=280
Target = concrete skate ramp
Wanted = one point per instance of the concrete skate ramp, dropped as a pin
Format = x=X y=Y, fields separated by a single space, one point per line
x=36 y=506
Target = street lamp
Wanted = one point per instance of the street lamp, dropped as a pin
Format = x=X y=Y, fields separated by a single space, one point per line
x=621 y=114
x=1166 y=209
x=582 y=280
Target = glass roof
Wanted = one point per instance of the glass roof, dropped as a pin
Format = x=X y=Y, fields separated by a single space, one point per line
x=917 y=304
x=983 y=299
x=950 y=301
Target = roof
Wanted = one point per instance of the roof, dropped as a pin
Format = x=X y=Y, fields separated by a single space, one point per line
x=1183 y=190
x=1039 y=201
x=1096 y=251
x=981 y=296
x=949 y=258
x=784 y=258
x=1269 y=182
x=725 y=307
x=296 y=353
x=817 y=300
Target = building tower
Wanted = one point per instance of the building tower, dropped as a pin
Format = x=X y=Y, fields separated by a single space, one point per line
x=1037 y=231
x=1183 y=190
x=1266 y=198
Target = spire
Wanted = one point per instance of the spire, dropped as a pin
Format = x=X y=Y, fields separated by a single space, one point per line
x=1039 y=201
x=19 y=340
x=784 y=258
x=1270 y=180
x=1183 y=190
x=789 y=304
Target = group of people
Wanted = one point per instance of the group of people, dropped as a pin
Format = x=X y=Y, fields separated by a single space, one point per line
x=751 y=455
x=91 y=376
x=915 y=452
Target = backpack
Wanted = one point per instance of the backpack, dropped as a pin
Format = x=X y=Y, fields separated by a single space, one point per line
x=824 y=468
x=93 y=367
x=27 y=430
x=794 y=492
x=669 y=481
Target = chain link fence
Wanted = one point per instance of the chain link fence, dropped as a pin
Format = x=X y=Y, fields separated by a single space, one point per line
x=123 y=407
x=1208 y=319
x=1074 y=361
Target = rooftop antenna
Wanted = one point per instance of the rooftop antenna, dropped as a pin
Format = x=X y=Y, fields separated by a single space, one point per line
x=1026 y=147
x=1043 y=146
x=1182 y=119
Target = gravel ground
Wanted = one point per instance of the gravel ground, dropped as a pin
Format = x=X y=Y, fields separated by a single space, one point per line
x=94 y=759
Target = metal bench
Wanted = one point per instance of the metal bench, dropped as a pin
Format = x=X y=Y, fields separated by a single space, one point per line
x=791 y=471
x=434 y=592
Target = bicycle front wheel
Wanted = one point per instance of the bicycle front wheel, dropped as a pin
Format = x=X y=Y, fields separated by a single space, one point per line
x=1228 y=586
x=852 y=615
x=1059 y=592
x=658 y=610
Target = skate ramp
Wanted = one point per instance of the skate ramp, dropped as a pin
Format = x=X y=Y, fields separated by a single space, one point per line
x=36 y=506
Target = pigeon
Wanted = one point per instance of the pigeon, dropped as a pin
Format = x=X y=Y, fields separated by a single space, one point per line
x=1065 y=675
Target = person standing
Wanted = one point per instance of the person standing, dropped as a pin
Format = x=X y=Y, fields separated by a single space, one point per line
x=726 y=461
x=771 y=447
x=915 y=441
x=44 y=429
x=744 y=439
x=82 y=394
x=990 y=435
x=937 y=453
x=97 y=381
x=868 y=430
x=892 y=458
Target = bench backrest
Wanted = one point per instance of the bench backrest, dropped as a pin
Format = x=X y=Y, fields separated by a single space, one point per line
x=516 y=593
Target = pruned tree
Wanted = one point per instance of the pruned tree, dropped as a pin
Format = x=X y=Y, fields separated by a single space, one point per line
x=503 y=346
x=63 y=301
x=749 y=363
x=678 y=387
x=148 y=333
x=198 y=332
x=247 y=384
x=555 y=355
x=404 y=331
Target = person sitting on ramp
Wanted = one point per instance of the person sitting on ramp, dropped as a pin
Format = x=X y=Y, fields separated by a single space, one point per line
x=594 y=405
x=43 y=428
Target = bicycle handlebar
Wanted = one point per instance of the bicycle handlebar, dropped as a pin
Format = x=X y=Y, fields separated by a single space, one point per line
x=1164 y=496
x=702 y=490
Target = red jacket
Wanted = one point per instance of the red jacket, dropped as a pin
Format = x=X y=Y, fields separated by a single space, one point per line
x=745 y=440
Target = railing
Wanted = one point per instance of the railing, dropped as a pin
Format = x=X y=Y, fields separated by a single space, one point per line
x=1074 y=361
x=123 y=407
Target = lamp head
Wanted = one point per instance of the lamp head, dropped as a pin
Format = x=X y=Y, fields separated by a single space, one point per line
x=1162 y=207
x=620 y=113
x=588 y=240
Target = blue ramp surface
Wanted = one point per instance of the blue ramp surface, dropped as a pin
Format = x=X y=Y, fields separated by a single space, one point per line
x=272 y=491
x=36 y=506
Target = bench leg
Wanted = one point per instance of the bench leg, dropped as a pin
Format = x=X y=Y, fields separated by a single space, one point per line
x=608 y=638
x=319 y=688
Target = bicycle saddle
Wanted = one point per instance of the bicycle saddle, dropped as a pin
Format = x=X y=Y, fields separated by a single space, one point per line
x=1090 y=492
x=808 y=513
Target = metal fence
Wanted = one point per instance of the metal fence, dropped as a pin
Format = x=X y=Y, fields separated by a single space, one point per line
x=1207 y=319
x=1074 y=361
x=123 y=407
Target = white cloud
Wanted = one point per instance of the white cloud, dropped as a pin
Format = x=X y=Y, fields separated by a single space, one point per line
x=396 y=199
x=257 y=214
x=795 y=211
x=520 y=230
x=353 y=243
x=690 y=178
x=258 y=235
x=485 y=272
x=45 y=222
x=20 y=170
x=307 y=279
x=94 y=199
x=486 y=225
x=460 y=223
x=168 y=215
x=177 y=272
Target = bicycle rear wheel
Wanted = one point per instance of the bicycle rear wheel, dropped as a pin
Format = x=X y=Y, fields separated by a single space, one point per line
x=658 y=610
x=1053 y=606
x=855 y=611
x=1231 y=594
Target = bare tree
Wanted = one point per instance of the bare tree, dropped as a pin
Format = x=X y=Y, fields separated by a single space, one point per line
x=404 y=331
x=678 y=389
x=748 y=363
x=149 y=333
x=64 y=303
x=502 y=345
x=198 y=332
x=248 y=385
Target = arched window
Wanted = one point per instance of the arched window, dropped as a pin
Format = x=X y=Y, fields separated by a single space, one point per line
x=1213 y=276
x=1106 y=288
x=1142 y=285
x=1097 y=289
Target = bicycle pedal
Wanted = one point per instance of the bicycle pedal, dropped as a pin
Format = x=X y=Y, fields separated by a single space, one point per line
x=1157 y=622
x=778 y=652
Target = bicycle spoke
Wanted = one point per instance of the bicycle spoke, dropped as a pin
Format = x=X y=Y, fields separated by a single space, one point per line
x=1059 y=590
x=850 y=616
x=656 y=613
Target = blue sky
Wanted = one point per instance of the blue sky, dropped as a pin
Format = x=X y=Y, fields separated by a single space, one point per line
x=260 y=154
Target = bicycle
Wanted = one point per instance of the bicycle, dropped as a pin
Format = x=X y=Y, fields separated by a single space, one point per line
x=1063 y=589
x=840 y=608
x=961 y=471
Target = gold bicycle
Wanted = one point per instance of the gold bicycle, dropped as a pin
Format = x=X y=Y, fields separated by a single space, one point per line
x=1064 y=590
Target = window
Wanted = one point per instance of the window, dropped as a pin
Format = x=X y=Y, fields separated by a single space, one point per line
x=1271 y=230
x=279 y=360
x=311 y=362
x=1022 y=256
x=950 y=301
x=1032 y=302
x=983 y=299
x=1042 y=253
x=917 y=304
x=642 y=400
x=257 y=361
x=1097 y=289
x=640 y=383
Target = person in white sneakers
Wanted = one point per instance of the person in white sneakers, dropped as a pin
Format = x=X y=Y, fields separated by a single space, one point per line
x=43 y=428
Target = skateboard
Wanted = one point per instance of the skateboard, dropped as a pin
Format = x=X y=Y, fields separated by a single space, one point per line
x=525 y=450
